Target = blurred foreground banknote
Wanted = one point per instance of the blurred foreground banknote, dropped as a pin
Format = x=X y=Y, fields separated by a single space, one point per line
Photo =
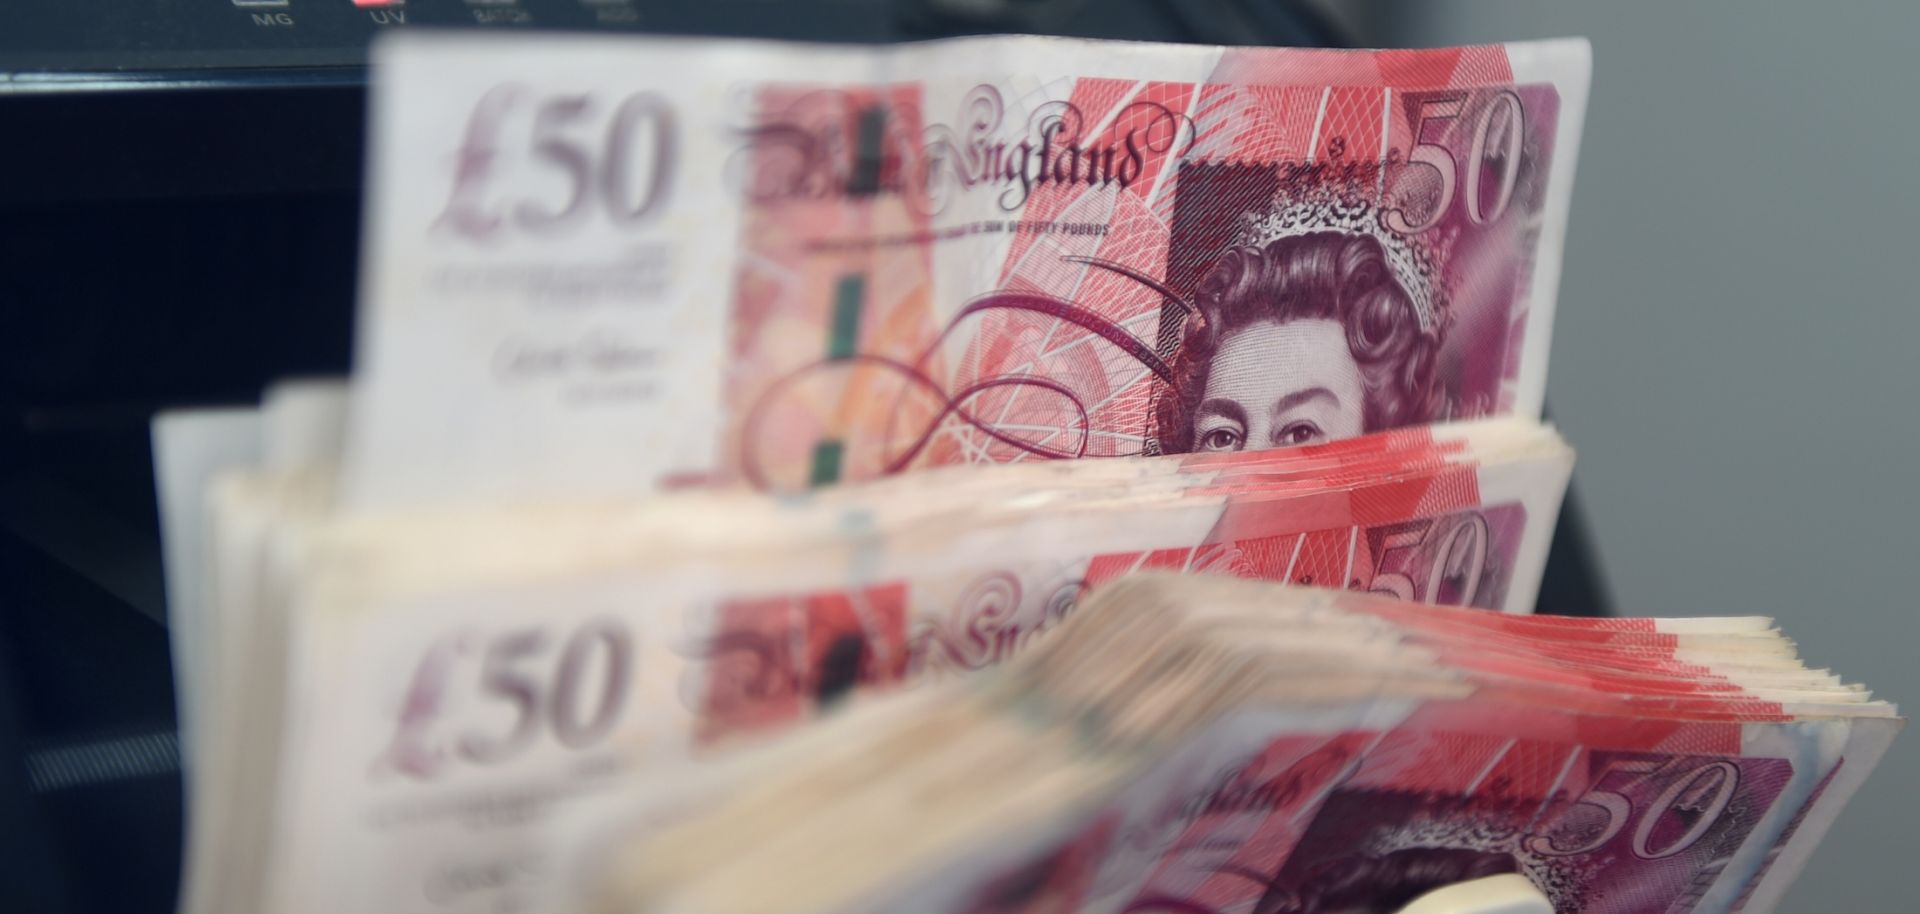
x=1199 y=745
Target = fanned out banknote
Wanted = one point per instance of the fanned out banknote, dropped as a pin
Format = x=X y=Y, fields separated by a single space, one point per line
x=1198 y=744
x=600 y=265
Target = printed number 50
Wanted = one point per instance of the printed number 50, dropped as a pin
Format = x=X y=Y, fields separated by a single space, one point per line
x=503 y=676
x=1438 y=158
x=1619 y=810
x=1461 y=554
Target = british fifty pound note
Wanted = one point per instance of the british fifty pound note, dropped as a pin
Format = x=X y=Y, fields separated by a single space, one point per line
x=599 y=265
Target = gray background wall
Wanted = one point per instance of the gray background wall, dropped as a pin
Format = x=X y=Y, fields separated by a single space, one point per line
x=1735 y=349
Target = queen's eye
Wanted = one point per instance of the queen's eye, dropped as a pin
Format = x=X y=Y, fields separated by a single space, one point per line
x=1297 y=433
x=1223 y=438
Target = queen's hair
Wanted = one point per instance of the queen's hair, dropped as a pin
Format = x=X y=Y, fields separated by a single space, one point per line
x=1330 y=275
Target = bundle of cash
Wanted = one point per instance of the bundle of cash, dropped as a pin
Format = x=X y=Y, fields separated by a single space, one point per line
x=1201 y=744
x=391 y=695
x=612 y=285
x=705 y=388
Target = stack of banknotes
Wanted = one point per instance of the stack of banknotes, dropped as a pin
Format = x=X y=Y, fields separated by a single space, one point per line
x=725 y=415
x=1202 y=744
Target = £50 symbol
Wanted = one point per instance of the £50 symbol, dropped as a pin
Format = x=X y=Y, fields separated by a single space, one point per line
x=573 y=694
x=545 y=163
x=1496 y=142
